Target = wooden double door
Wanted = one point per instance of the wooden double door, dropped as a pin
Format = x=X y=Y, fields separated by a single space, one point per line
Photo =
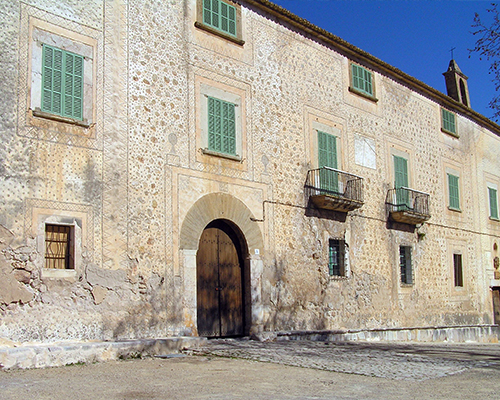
x=219 y=282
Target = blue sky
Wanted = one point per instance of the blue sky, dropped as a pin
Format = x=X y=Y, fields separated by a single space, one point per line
x=413 y=35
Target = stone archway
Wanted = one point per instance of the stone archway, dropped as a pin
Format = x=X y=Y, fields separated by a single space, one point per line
x=221 y=206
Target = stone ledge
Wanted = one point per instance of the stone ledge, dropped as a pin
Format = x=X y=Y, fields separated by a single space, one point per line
x=458 y=334
x=65 y=353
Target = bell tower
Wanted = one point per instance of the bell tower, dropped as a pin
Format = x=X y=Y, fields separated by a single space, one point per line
x=456 y=84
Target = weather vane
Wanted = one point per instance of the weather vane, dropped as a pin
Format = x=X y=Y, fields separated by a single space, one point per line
x=451 y=51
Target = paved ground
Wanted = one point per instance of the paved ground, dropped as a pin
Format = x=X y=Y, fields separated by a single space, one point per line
x=240 y=369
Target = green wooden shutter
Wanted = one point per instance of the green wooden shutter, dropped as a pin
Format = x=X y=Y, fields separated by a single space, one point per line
x=401 y=180
x=327 y=157
x=453 y=192
x=220 y=15
x=448 y=120
x=62 y=82
x=492 y=194
x=221 y=126
x=361 y=79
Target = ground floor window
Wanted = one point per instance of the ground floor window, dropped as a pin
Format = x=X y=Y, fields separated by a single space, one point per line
x=336 y=257
x=457 y=270
x=405 y=265
x=59 y=246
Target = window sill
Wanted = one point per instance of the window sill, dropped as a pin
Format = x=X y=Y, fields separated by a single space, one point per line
x=454 y=209
x=338 y=277
x=455 y=135
x=216 y=32
x=363 y=94
x=222 y=155
x=42 y=114
x=494 y=219
x=58 y=273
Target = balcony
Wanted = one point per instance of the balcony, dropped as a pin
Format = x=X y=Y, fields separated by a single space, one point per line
x=332 y=189
x=408 y=206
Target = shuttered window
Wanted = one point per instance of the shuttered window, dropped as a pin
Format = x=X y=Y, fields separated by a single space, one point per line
x=401 y=180
x=62 y=83
x=327 y=157
x=361 y=79
x=453 y=192
x=336 y=257
x=220 y=15
x=493 y=199
x=405 y=265
x=448 y=121
x=221 y=126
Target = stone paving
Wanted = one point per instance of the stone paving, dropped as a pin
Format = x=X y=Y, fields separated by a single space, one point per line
x=412 y=361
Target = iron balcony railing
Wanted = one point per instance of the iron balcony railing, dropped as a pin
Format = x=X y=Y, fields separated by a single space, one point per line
x=337 y=185
x=408 y=204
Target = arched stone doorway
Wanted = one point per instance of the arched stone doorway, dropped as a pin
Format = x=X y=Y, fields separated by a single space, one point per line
x=221 y=281
x=224 y=210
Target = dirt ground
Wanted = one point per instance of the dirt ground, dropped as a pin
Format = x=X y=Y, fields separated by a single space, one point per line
x=205 y=375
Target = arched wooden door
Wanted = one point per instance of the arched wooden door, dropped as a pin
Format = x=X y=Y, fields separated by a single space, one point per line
x=219 y=283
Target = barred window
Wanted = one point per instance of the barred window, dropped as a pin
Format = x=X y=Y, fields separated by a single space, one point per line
x=59 y=246
x=405 y=265
x=336 y=257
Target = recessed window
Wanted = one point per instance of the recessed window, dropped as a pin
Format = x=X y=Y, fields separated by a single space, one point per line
x=336 y=257
x=221 y=126
x=62 y=83
x=457 y=270
x=220 y=15
x=59 y=246
x=327 y=157
x=448 y=122
x=362 y=80
x=493 y=202
x=405 y=265
x=453 y=192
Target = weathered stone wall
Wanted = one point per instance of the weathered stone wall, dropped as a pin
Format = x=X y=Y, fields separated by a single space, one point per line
x=139 y=187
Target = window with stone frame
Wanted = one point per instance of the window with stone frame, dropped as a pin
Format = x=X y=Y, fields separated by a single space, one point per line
x=221 y=126
x=362 y=81
x=59 y=246
x=493 y=202
x=62 y=82
x=448 y=124
x=405 y=264
x=221 y=17
x=458 y=270
x=336 y=257
x=453 y=192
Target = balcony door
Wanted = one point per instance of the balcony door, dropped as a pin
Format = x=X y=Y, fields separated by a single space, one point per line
x=400 y=181
x=327 y=157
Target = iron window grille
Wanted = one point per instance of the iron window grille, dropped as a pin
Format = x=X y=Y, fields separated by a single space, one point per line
x=405 y=264
x=59 y=246
x=336 y=257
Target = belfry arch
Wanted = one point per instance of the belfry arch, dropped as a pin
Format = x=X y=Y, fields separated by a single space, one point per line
x=233 y=212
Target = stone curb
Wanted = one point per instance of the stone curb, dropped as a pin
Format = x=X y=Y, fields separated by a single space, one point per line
x=457 y=334
x=65 y=353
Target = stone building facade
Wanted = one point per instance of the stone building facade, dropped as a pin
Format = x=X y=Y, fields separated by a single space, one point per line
x=221 y=168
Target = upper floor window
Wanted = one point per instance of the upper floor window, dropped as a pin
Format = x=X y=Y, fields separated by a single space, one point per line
x=453 y=192
x=448 y=124
x=221 y=126
x=362 y=80
x=62 y=82
x=493 y=202
x=220 y=15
